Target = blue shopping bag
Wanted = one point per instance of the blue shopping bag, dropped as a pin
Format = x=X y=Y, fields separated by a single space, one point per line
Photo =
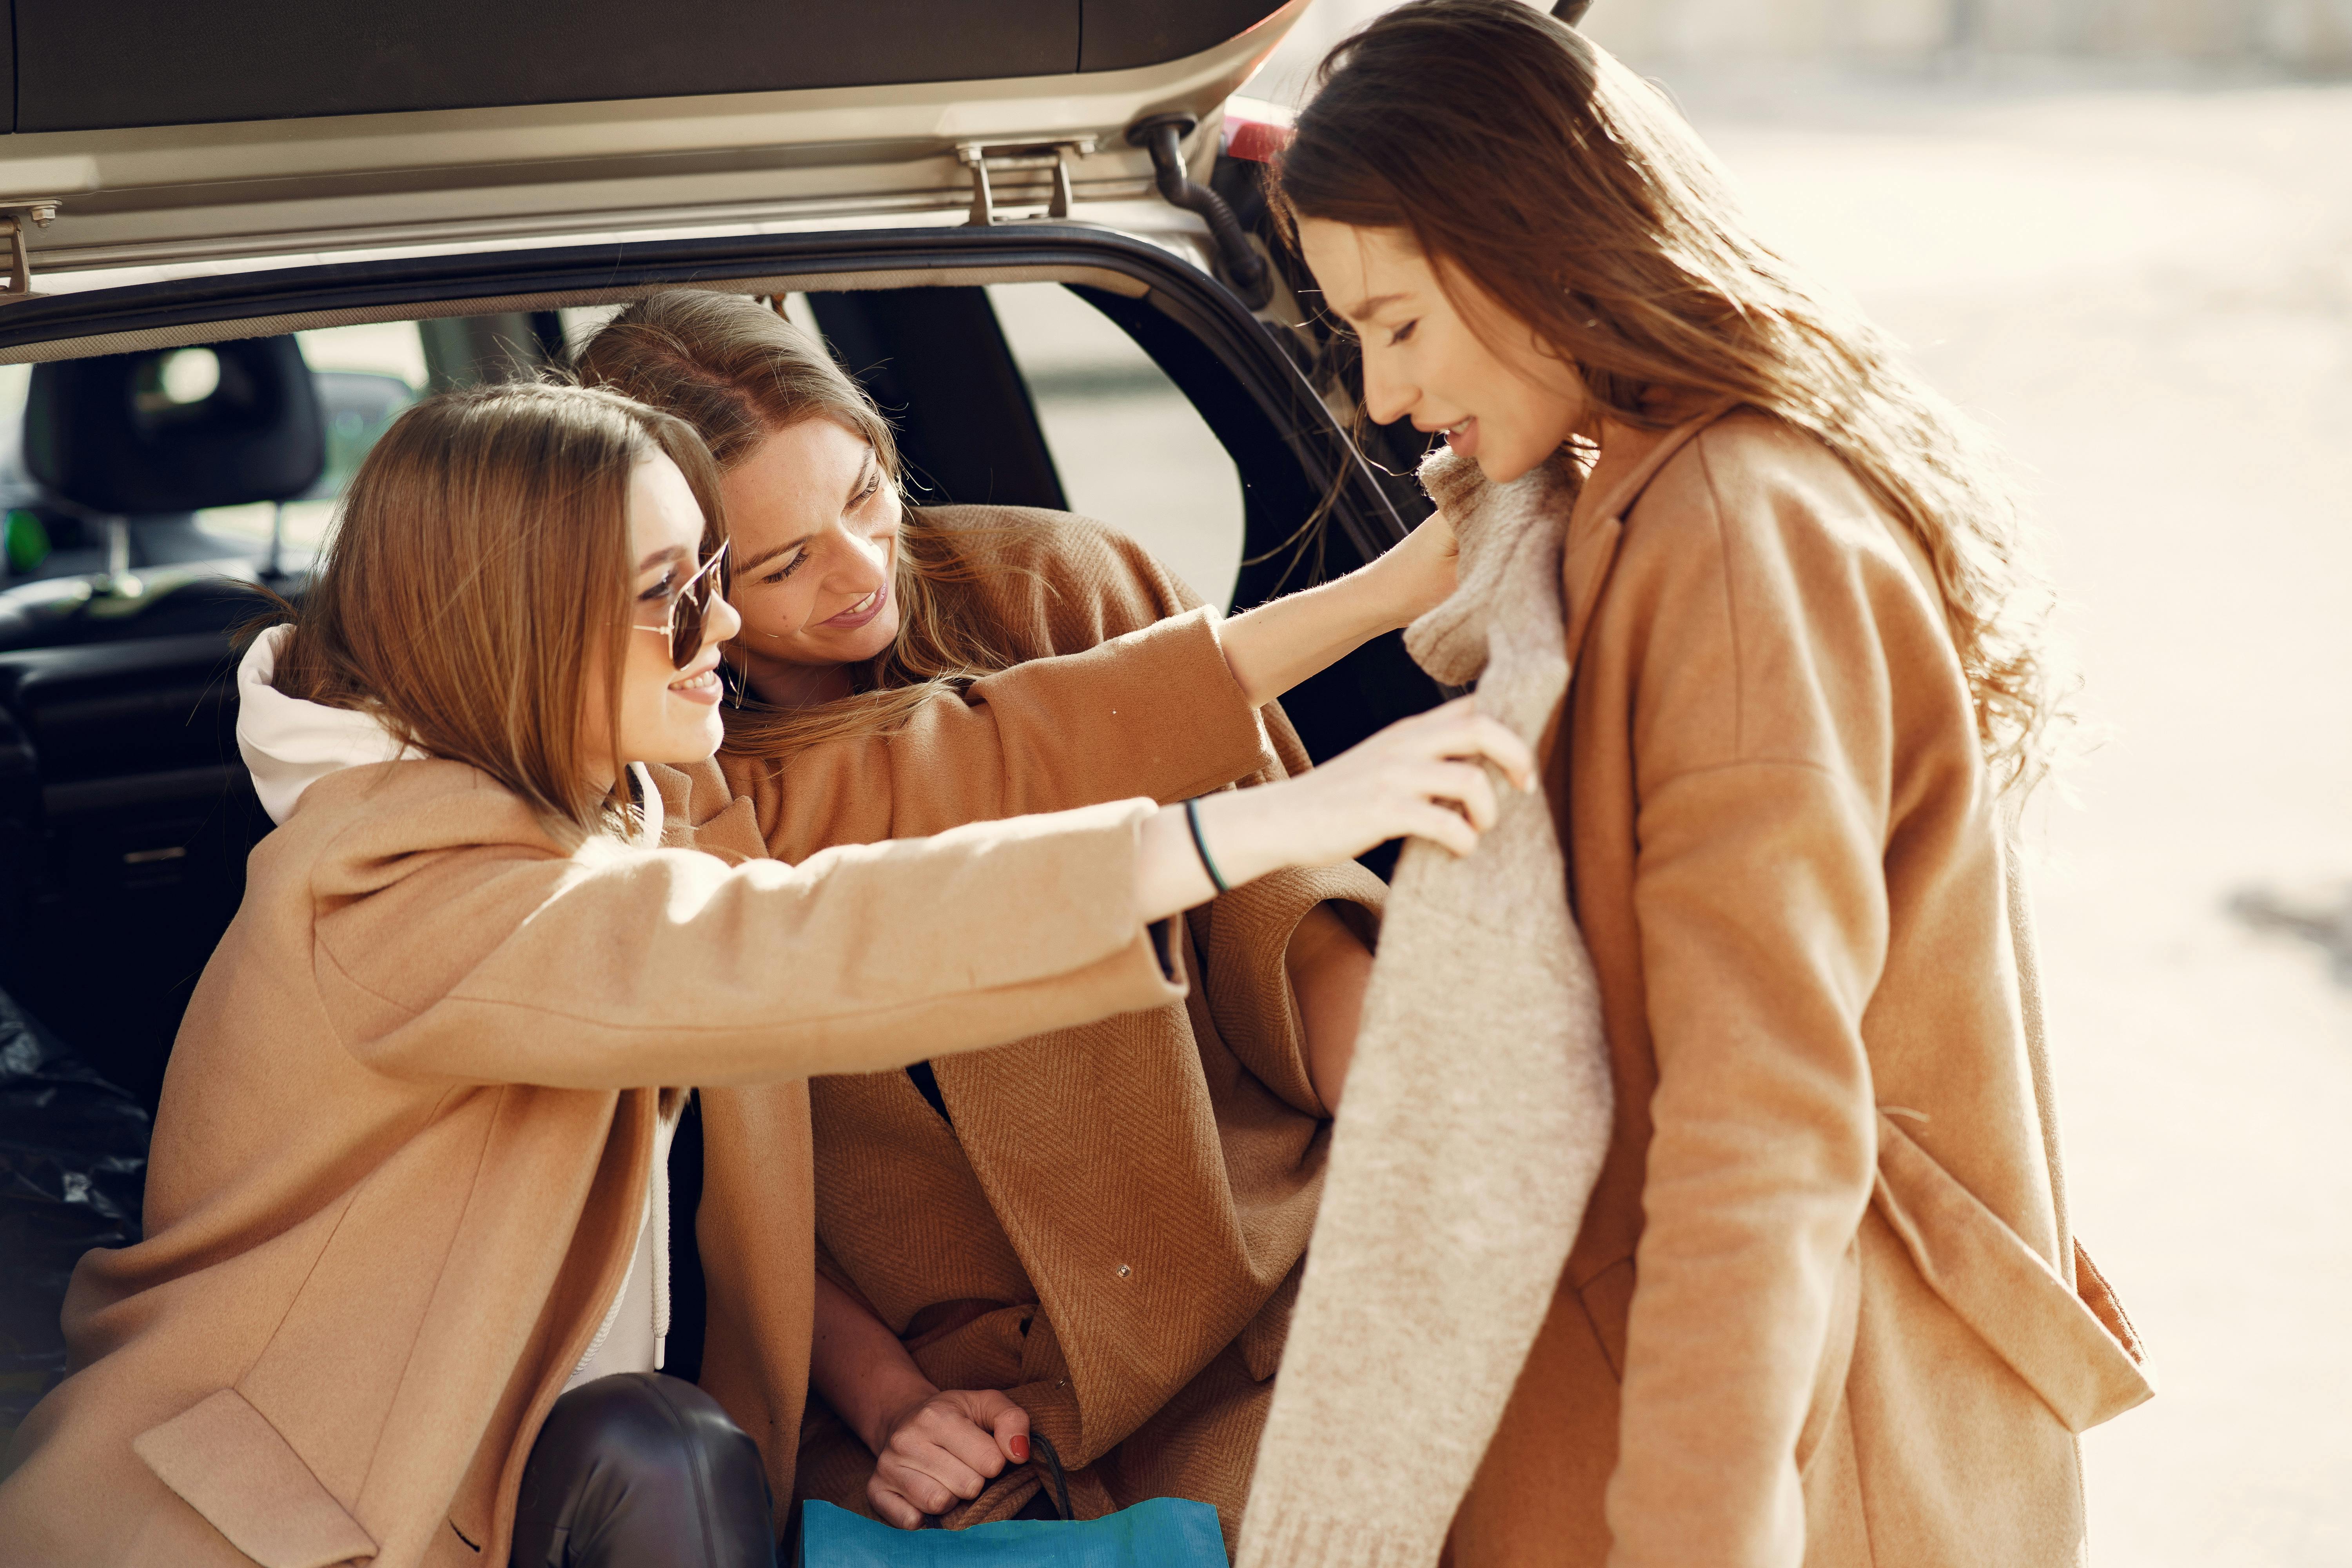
x=1163 y=1532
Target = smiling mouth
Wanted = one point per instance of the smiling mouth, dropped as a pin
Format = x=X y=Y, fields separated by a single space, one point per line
x=702 y=687
x=863 y=611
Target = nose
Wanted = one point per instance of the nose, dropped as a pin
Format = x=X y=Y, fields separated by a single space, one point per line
x=1389 y=395
x=720 y=621
x=860 y=567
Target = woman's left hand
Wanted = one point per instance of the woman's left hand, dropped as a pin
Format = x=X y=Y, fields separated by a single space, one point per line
x=943 y=1451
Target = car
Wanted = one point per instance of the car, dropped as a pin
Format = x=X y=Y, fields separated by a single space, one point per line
x=243 y=235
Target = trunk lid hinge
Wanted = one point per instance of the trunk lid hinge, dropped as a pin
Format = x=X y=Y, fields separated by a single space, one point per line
x=14 y=214
x=1009 y=158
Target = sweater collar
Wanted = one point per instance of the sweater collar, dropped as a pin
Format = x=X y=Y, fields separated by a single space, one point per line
x=288 y=744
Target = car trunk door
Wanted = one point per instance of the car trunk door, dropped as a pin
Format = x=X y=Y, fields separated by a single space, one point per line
x=152 y=132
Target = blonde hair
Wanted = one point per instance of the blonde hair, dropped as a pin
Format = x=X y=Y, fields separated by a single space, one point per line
x=738 y=372
x=480 y=570
x=1513 y=148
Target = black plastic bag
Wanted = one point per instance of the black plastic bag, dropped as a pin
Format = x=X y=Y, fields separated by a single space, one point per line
x=73 y=1170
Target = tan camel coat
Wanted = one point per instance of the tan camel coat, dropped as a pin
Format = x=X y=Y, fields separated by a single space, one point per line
x=1109 y=1229
x=1139 y=706
x=1825 y=1307
x=405 y=1140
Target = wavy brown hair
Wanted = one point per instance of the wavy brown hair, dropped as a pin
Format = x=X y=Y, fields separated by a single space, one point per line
x=737 y=371
x=479 y=570
x=1523 y=157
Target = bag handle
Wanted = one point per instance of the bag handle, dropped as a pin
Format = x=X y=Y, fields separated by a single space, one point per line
x=1049 y=1468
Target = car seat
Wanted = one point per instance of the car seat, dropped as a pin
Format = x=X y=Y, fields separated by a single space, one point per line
x=125 y=813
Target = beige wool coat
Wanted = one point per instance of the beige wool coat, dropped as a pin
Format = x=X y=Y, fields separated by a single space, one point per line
x=1110 y=1227
x=1825 y=1307
x=407 y=1134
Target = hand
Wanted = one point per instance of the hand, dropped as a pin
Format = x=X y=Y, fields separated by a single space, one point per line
x=1421 y=571
x=943 y=1450
x=1423 y=777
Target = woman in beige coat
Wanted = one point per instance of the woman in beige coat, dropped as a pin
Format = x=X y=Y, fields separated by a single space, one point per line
x=399 y=1200
x=1031 y=1236
x=1825 y=1306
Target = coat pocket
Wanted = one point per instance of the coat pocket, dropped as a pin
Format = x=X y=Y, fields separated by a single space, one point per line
x=228 y=1462
x=2076 y=1349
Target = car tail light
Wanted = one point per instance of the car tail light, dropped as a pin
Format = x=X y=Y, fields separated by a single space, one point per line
x=1256 y=129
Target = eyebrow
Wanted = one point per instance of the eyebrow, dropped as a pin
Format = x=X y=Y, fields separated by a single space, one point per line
x=865 y=471
x=666 y=553
x=1368 y=307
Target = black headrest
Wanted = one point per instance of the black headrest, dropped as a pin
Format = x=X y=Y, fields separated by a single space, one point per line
x=112 y=435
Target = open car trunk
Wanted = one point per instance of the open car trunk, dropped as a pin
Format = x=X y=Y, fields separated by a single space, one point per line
x=147 y=132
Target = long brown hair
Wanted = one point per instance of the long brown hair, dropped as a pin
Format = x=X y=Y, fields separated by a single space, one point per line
x=480 y=570
x=1521 y=154
x=738 y=372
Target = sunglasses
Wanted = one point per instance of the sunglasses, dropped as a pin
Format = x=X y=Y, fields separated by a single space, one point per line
x=688 y=604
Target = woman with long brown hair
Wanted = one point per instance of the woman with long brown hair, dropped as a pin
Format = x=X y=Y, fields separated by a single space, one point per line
x=1825 y=1305
x=1032 y=1235
x=400 y=1300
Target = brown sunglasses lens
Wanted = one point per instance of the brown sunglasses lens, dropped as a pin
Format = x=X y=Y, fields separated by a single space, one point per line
x=693 y=605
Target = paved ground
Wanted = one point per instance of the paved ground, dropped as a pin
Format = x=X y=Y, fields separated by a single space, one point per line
x=2148 y=292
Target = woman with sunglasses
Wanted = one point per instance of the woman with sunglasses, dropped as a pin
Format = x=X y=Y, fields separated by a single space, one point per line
x=394 y=1301
x=905 y=669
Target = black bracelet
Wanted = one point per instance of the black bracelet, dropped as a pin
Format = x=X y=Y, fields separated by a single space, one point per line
x=1192 y=816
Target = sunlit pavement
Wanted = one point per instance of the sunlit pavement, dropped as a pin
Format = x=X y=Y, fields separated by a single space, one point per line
x=2147 y=292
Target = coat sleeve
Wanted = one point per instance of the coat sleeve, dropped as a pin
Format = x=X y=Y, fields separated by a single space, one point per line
x=1243 y=940
x=1763 y=733
x=625 y=968
x=1155 y=712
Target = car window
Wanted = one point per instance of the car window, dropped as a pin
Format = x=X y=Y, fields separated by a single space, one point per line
x=1131 y=449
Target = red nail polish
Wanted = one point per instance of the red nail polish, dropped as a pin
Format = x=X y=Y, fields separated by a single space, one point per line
x=1020 y=1446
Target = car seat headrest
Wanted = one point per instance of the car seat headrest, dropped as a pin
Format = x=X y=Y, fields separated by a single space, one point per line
x=174 y=430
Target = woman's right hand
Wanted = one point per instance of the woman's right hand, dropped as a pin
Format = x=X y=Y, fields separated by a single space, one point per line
x=943 y=1451
x=1424 y=777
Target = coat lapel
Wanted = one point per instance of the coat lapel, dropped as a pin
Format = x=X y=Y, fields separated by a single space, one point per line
x=1630 y=460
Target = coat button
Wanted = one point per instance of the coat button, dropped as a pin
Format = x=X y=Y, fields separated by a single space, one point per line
x=1124 y=1272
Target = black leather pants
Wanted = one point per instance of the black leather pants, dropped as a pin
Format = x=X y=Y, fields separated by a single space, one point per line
x=639 y=1470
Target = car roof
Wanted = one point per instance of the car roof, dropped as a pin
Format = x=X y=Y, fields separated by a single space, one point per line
x=147 y=132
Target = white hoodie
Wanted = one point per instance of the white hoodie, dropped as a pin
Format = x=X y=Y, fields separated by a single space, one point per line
x=288 y=744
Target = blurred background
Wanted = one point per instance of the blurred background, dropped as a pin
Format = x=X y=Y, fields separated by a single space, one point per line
x=2119 y=232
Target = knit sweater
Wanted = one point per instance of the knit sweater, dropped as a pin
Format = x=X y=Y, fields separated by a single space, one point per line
x=1477 y=1112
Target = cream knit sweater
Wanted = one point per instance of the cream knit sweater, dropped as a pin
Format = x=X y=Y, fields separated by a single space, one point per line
x=1477 y=1111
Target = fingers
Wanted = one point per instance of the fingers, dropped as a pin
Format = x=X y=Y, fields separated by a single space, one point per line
x=1442 y=825
x=1006 y=1420
x=927 y=1476
x=1467 y=785
x=889 y=1507
x=944 y=1453
x=1493 y=739
x=969 y=1414
x=1457 y=729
